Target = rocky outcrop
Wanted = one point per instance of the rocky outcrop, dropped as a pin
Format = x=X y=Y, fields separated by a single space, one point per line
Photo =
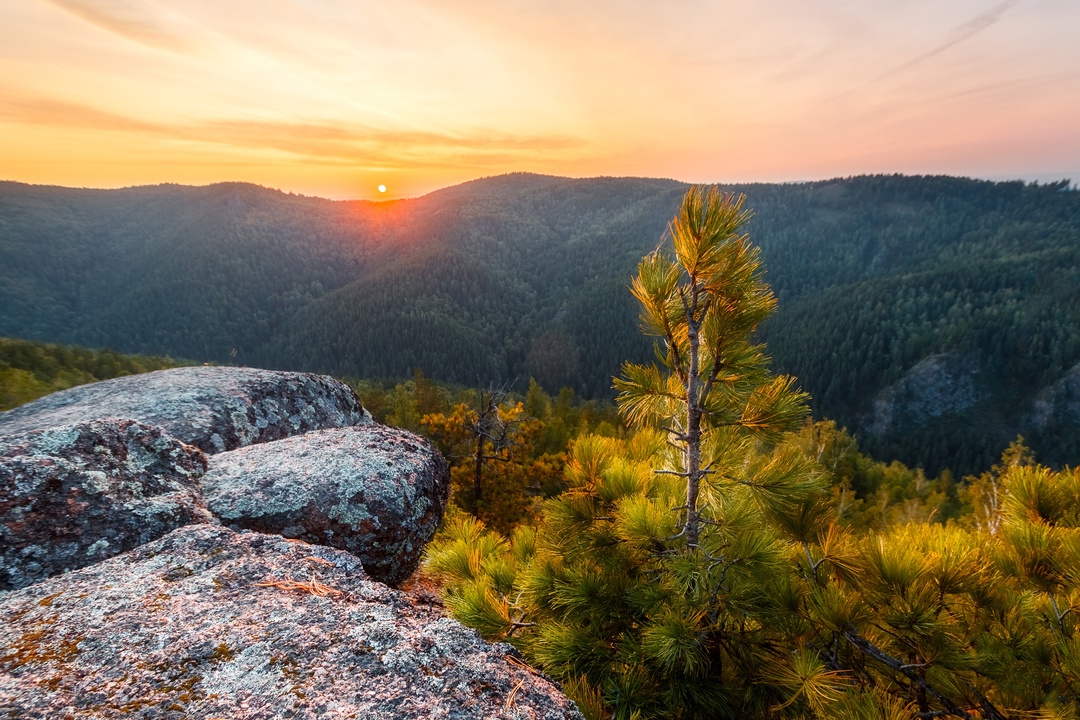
x=201 y=621
x=73 y=495
x=206 y=623
x=1058 y=404
x=936 y=385
x=213 y=408
x=375 y=491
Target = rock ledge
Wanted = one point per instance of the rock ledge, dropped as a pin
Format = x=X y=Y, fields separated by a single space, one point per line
x=213 y=408
x=192 y=626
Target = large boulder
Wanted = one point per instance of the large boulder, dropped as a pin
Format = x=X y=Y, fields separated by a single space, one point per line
x=213 y=408
x=73 y=495
x=206 y=623
x=374 y=491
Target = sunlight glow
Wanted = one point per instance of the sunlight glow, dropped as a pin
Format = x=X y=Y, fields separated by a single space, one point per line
x=325 y=96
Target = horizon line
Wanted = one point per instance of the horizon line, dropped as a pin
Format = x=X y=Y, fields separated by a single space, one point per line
x=1033 y=178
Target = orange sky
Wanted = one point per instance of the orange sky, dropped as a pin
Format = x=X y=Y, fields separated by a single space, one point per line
x=334 y=97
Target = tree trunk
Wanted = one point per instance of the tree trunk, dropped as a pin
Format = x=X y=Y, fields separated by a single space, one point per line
x=692 y=454
x=477 y=475
x=693 y=476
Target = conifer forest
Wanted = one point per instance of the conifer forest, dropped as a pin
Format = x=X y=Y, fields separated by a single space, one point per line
x=763 y=451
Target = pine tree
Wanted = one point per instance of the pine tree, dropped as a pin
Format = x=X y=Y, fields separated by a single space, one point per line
x=498 y=469
x=659 y=584
x=704 y=304
x=985 y=494
x=929 y=620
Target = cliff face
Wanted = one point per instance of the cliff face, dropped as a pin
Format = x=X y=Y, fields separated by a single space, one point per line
x=936 y=386
x=126 y=589
x=1058 y=404
x=959 y=406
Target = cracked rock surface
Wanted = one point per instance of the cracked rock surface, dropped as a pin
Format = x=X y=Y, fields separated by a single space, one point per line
x=375 y=491
x=198 y=624
x=73 y=495
x=214 y=408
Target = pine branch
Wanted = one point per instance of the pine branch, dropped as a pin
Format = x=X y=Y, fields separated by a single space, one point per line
x=989 y=711
x=714 y=373
x=673 y=446
x=500 y=458
x=683 y=474
x=951 y=708
x=1059 y=614
x=813 y=565
x=679 y=434
x=673 y=346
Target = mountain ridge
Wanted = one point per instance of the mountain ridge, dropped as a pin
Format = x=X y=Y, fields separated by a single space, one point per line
x=526 y=274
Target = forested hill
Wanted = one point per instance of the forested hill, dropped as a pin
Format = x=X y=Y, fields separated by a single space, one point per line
x=936 y=317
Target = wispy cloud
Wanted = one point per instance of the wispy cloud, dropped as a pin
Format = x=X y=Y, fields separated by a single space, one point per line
x=348 y=143
x=333 y=142
x=959 y=34
x=44 y=111
x=129 y=19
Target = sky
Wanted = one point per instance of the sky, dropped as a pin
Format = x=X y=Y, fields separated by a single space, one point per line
x=337 y=97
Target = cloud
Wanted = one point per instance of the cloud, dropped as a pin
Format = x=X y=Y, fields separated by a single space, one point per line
x=340 y=142
x=329 y=142
x=959 y=34
x=129 y=19
x=43 y=111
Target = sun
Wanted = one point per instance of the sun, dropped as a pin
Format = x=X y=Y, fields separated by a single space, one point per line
x=382 y=188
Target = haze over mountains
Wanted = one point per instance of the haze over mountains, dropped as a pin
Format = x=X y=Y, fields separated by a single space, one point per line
x=935 y=317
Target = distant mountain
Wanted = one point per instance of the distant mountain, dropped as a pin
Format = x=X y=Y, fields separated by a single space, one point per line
x=936 y=317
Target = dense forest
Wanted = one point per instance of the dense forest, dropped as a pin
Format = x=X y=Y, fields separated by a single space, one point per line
x=934 y=317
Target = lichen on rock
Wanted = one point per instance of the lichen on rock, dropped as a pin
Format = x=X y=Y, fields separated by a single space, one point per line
x=213 y=408
x=375 y=491
x=197 y=625
x=73 y=495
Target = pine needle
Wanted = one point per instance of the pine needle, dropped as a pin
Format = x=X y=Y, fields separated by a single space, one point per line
x=517 y=662
x=313 y=586
x=321 y=561
x=513 y=693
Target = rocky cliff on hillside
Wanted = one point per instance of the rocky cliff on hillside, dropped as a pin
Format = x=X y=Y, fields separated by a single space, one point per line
x=214 y=408
x=73 y=495
x=207 y=623
x=933 y=387
x=1058 y=404
x=375 y=491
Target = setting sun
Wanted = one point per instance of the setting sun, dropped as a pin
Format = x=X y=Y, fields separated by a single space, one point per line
x=323 y=97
